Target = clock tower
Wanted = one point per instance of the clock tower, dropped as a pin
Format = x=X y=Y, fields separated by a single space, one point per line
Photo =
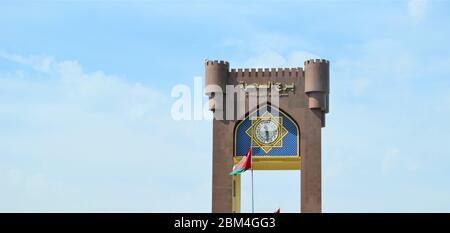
x=278 y=114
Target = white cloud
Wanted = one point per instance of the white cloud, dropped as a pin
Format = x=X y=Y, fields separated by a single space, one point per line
x=95 y=89
x=40 y=63
x=417 y=9
x=72 y=140
x=391 y=160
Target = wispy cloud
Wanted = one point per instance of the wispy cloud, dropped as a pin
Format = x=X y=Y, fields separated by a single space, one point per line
x=39 y=63
x=70 y=138
x=417 y=10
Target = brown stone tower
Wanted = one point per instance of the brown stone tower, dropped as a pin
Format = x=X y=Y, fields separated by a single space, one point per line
x=303 y=100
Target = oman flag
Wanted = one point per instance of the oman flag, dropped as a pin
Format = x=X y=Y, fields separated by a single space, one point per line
x=243 y=165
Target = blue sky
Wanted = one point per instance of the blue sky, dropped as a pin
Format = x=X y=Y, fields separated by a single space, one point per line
x=85 y=122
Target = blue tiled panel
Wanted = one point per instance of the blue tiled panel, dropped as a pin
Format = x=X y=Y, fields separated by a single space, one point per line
x=290 y=141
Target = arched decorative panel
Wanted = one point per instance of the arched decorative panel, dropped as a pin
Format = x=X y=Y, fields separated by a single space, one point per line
x=271 y=134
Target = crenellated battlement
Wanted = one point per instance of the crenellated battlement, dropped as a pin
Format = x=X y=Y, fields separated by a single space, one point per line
x=315 y=61
x=216 y=74
x=317 y=84
x=216 y=62
x=267 y=72
x=314 y=75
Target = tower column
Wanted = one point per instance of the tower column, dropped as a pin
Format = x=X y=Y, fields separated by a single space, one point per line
x=317 y=88
x=222 y=164
x=311 y=169
x=216 y=79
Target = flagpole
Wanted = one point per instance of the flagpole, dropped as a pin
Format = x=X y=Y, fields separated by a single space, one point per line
x=253 y=200
x=232 y=194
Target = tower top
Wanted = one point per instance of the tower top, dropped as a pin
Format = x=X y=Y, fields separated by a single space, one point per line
x=216 y=62
x=316 y=61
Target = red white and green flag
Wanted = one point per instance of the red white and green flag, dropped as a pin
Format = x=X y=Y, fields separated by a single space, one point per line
x=243 y=165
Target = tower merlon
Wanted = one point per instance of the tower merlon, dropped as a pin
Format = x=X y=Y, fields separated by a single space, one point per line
x=316 y=61
x=217 y=62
